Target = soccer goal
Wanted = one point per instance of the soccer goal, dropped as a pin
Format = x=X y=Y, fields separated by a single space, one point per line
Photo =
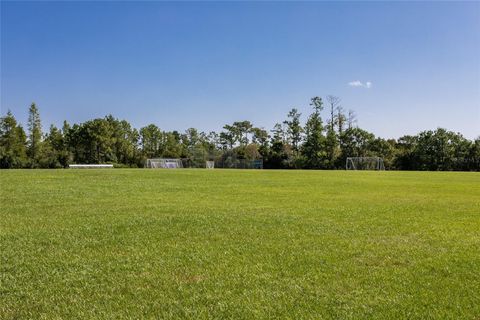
x=210 y=164
x=164 y=163
x=364 y=163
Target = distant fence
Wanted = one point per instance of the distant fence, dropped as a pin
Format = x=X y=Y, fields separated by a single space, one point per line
x=233 y=163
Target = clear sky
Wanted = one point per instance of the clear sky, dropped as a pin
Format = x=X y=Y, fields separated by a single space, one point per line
x=403 y=67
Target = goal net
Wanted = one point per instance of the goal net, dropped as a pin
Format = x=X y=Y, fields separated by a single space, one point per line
x=164 y=163
x=365 y=163
x=210 y=164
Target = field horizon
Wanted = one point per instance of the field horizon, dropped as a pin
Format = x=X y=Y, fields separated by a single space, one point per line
x=239 y=244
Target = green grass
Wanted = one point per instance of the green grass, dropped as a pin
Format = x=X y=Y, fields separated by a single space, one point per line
x=129 y=244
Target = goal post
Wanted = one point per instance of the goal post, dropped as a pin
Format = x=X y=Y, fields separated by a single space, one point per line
x=210 y=164
x=164 y=163
x=364 y=163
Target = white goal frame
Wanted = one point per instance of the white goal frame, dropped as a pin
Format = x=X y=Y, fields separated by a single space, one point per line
x=210 y=164
x=164 y=163
x=364 y=163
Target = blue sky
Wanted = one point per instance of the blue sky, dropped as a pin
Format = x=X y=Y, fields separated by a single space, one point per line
x=203 y=65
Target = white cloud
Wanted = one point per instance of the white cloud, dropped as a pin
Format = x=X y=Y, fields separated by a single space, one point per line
x=355 y=84
x=358 y=83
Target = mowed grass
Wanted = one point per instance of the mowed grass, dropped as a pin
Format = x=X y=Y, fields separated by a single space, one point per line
x=239 y=244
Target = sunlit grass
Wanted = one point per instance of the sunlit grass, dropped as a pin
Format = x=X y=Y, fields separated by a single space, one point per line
x=239 y=244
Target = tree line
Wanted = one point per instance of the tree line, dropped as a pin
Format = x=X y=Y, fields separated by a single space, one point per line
x=316 y=144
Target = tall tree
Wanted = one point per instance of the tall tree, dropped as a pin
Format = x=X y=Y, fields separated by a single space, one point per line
x=277 y=154
x=173 y=145
x=94 y=141
x=213 y=140
x=12 y=143
x=341 y=119
x=331 y=141
x=242 y=129
x=474 y=155
x=260 y=137
x=34 y=135
x=384 y=149
x=405 y=157
x=331 y=148
x=54 y=151
x=210 y=143
x=151 y=141
x=230 y=136
x=357 y=143
x=351 y=119
x=441 y=150
x=334 y=104
x=227 y=139
x=294 y=129
x=66 y=132
x=192 y=138
x=314 y=145
x=125 y=139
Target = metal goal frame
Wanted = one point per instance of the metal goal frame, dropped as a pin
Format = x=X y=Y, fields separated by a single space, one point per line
x=364 y=163
x=164 y=163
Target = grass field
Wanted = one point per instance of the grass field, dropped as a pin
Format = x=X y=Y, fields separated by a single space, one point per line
x=118 y=244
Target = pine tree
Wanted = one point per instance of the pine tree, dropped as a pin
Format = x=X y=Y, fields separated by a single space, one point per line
x=34 y=135
x=331 y=141
x=12 y=143
x=56 y=154
x=314 y=146
x=294 y=128
x=331 y=148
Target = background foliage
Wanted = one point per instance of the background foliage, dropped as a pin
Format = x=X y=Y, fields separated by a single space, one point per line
x=317 y=144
